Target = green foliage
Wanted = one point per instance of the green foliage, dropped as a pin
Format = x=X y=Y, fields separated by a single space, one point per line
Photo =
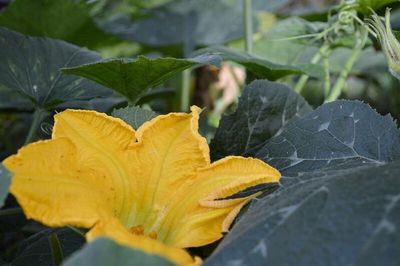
x=30 y=70
x=262 y=68
x=132 y=77
x=104 y=252
x=67 y=20
x=365 y=6
x=37 y=250
x=340 y=166
x=134 y=115
x=264 y=108
x=5 y=180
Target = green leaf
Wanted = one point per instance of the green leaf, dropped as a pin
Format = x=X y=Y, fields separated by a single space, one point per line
x=262 y=68
x=365 y=6
x=339 y=202
x=264 y=108
x=105 y=252
x=67 y=20
x=5 y=180
x=193 y=22
x=341 y=218
x=284 y=43
x=338 y=133
x=37 y=250
x=132 y=77
x=134 y=115
x=30 y=69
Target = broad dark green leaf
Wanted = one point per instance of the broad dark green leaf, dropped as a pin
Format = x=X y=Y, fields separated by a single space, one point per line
x=132 y=77
x=262 y=68
x=134 y=115
x=340 y=218
x=105 y=252
x=11 y=99
x=199 y=22
x=36 y=250
x=342 y=132
x=67 y=20
x=264 y=108
x=365 y=6
x=5 y=180
x=30 y=68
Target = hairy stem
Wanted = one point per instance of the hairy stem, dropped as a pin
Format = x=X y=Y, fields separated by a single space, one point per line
x=38 y=117
x=341 y=81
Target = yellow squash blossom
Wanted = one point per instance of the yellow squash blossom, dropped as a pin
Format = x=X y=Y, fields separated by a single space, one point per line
x=153 y=189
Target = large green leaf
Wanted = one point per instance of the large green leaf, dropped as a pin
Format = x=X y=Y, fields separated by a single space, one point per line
x=30 y=69
x=105 y=252
x=262 y=68
x=264 y=108
x=132 y=77
x=198 y=22
x=342 y=132
x=284 y=44
x=365 y=6
x=339 y=203
x=134 y=115
x=37 y=250
x=333 y=219
x=5 y=180
x=67 y=20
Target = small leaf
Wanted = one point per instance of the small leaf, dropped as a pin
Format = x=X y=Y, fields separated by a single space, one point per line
x=262 y=68
x=37 y=250
x=132 y=77
x=134 y=115
x=264 y=108
x=30 y=69
x=5 y=180
x=105 y=252
x=335 y=219
x=67 y=20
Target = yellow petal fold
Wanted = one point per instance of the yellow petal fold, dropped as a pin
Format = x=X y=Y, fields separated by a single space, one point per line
x=199 y=210
x=115 y=230
x=168 y=152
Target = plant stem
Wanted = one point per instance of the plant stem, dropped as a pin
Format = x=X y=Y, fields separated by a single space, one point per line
x=248 y=25
x=76 y=230
x=56 y=250
x=10 y=211
x=185 y=90
x=341 y=81
x=38 y=116
x=315 y=59
x=327 y=80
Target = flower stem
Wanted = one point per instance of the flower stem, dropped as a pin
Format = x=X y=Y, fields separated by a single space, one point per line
x=10 y=211
x=341 y=81
x=56 y=250
x=248 y=25
x=315 y=59
x=38 y=117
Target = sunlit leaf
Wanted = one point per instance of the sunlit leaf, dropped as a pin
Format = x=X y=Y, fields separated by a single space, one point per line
x=132 y=77
x=67 y=20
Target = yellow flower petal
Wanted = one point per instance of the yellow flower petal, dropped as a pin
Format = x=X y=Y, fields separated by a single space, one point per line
x=51 y=188
x=198 y=209
x=116 y=231
x=168 y=152
x=102 y=144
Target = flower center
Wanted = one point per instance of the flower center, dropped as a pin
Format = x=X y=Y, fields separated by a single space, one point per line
x=139 y=230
